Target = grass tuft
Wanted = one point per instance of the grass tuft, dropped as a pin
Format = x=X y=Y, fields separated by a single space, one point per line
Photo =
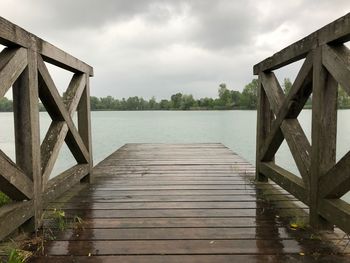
x=4 y=199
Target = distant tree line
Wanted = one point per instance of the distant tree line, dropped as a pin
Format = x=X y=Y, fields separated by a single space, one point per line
x=227 y=100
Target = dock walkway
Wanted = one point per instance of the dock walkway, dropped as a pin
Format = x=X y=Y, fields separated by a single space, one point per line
x=180 y=203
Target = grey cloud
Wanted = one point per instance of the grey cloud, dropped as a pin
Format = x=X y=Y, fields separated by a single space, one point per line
x=70 y=15
x=224 y=24
x=216 y=42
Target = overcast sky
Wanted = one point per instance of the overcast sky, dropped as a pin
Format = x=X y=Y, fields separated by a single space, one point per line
x=157 y=48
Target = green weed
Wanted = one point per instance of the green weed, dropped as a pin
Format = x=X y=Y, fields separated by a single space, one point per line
x=18 y=256
x=4 y=199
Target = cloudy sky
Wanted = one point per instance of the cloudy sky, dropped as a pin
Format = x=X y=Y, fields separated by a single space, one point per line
x=157 y=48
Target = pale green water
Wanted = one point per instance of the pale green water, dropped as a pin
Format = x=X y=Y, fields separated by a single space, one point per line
x=235 y=129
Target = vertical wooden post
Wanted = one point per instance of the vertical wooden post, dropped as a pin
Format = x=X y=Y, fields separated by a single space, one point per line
x=264 y=117
x=27 y=132
x=324 y=133
x=84 y=123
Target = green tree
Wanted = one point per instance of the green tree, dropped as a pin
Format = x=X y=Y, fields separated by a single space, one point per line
x=107 y=103
x=176 y=100
x=343 y=98
x=287 y=85
x=5 y=104
x=133 y=103
x=235 y=97
x=206 y=103
x=153 y=105
x=165 y=105
x=94 y=103
x=225 y=97
x=249 y=96
x=187 y=102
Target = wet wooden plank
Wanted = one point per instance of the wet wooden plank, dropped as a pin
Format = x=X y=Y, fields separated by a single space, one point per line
x=167 y=205
x=149 y=205
x=290 y=258
x=180 y=247
x=199 y=213
x=175 y=187
x=155 y=223
x=166 y=192
x=217 y=233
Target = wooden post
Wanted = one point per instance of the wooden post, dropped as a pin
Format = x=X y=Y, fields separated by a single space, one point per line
x=27 y=133
x=84 y=124
x=324 y=132
x=264 y=116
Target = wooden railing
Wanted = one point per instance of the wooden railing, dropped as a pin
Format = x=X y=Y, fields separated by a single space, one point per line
x=323 y=181
x=27 y=181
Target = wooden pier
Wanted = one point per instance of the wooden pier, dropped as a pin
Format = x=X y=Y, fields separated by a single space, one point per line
x=180 y=203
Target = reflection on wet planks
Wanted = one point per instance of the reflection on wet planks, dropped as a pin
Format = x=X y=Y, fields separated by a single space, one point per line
x=192 y=203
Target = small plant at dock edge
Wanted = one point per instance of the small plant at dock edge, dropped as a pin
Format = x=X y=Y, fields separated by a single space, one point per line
x=78 y=222
x=17 y=256
x=298 y=223
x=4 y=199
x=59 y=217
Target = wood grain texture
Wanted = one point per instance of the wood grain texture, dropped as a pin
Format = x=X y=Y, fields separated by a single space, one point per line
x=58 y=130
x=84 y=123
x=13 y=62
x=58 y=112
x=289 y=128
x=292 y=106
x=22 y=67
x=27 y=131
x=326 y=67
x=324 y=133
x=14 y=215
x=135 y=216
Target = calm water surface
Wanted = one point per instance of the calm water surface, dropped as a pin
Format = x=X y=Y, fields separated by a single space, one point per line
x=235 y=129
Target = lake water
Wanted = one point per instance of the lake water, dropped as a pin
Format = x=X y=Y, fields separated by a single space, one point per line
x=235 y=129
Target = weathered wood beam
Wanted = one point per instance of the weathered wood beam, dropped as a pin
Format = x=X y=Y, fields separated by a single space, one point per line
x=84 y=122
x=336 y=32
x=14 y=215
x=62 y=59
x=61 y=183
x=336 y=211
x=46 y=84
x=13 y=181
x=299 y=146
x=301 y=89
x=273 y=91
x=13 y=62
x=50 y=148
x=27 y=130
x=336 y=182
x=264 y=118
x=291 y=107
x=57 y=110
x=14 y=36
x=76 y=145
x=74 y=93
x=291 y=129
x=336 y=60
x=58 y=130
x=288 y=181
x=324 y=132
